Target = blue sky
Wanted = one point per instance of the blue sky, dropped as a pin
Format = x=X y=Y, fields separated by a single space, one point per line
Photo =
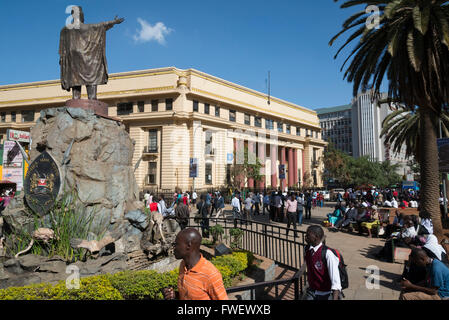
x=238 y=41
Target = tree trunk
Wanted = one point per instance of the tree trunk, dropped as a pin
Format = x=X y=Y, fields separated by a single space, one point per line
x=430 y=184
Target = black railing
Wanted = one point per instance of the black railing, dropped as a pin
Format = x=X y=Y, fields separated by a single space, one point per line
x=298 y=282
x=282 y=245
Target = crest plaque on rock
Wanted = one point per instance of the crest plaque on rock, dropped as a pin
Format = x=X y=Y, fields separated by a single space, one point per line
x=42 y=183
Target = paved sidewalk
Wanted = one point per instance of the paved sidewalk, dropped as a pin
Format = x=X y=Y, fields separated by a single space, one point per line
x=358 y=254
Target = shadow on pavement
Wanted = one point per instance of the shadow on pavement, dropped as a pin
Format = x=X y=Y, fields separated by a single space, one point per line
x=370 y=251
x=392 y=282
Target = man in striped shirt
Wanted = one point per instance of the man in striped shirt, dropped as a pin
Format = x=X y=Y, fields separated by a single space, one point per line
x=198 y=278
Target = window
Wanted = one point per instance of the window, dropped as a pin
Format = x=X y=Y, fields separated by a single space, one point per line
x=269 y=124
x=247 y=119
x=3 y=116
x=287 y=128
x=228 y=173
x=280 y=127
x=154 y=105
x=152 y=141
x=152 y=170
x=195 y=106
x=141 y=106
x=206 y=108
x=217 y=111
x=232 y=115
x=27 y=116
x=258 y=122
x=124 y=109
x=208 y=146
x=298 y=131
x=168 y=104
x=208 y=173
x=13 y=116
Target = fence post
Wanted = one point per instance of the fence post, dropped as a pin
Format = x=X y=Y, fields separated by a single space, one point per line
x=296 y=288
x=265 y=250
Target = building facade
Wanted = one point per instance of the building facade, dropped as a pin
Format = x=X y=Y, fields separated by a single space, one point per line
x=336 y=123
x=189 y=127
x=368 y=115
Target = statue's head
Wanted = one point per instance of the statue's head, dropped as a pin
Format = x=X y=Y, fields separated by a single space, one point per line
x=77 y=13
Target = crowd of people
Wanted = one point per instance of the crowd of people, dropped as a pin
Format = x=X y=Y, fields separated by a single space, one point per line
x=425 y=276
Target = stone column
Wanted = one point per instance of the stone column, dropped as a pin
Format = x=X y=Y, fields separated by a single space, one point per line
x=290 y=167
x=295 y=167
x=251 y=155
x=238 y=148
x=261 y=156
x=274 y=158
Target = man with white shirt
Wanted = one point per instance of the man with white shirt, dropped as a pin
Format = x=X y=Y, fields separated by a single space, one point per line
x=394 y=203
x=323 y=276
x=235 y=203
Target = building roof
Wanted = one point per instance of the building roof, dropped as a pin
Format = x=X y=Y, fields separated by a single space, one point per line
x=333 y=109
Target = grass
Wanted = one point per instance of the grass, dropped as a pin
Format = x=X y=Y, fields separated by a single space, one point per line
x=68 y=220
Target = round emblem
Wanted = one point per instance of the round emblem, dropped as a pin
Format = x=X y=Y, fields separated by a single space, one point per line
x=42 y=183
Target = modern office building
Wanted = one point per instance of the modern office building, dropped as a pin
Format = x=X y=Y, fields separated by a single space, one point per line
x=367 y=116
x=336 y=123
x=355 y=129
x=182 y=117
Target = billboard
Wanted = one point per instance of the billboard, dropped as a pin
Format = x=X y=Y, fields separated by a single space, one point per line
x=443 y=154
x=16 y=135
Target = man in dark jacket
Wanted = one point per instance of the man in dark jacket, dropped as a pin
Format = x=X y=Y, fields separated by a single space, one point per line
x=182 y=214
x=308 y=206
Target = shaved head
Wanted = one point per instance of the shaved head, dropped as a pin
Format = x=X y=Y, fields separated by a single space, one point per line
x=419 y=257
x=187 y=243
x=191 y=235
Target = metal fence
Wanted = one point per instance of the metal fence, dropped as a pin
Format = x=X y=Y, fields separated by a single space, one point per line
x=282 y=245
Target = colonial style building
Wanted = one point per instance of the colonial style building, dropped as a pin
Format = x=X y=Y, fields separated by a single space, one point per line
x=183 y=117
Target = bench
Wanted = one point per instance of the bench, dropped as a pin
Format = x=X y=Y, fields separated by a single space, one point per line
x=390 y=213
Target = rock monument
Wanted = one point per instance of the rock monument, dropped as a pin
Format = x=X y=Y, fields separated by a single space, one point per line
x=78 y=148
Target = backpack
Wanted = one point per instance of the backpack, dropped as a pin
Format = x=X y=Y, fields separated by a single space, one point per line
x=344 y=279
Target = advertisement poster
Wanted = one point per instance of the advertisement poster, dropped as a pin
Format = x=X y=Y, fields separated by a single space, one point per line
x=12 y=164
x=282 y=171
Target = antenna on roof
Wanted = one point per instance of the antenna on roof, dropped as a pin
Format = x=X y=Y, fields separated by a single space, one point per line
x=269 y=89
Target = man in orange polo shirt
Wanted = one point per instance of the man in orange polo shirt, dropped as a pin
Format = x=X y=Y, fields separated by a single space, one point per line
x=198 y=278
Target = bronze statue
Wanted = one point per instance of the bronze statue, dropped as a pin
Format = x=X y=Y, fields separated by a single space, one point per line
x=82 y=54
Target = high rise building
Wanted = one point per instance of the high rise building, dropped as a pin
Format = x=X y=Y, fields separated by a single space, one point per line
x=355 y=129
x=336 y=123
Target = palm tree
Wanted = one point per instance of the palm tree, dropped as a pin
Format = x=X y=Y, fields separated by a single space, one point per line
x=401 y=127
x=409 y=49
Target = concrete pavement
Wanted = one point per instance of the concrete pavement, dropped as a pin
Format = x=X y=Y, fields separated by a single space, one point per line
x=358 y=255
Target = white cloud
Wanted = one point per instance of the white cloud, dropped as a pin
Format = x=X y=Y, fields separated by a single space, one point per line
x=151 y=33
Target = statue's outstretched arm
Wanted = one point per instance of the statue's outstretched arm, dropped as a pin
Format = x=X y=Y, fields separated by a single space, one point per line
x=110 y=24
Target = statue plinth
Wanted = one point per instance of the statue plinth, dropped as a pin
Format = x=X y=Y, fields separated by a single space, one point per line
x=98 y=107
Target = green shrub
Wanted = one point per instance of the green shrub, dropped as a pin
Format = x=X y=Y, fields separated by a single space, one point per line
x=217 y=232
x=144 y=284
x=91 y=288
x=236 y=237
x=236 y=262
x=226 y=274
x=129 y=285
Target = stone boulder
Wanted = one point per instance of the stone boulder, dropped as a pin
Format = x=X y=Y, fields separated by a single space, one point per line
x=138 y=219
